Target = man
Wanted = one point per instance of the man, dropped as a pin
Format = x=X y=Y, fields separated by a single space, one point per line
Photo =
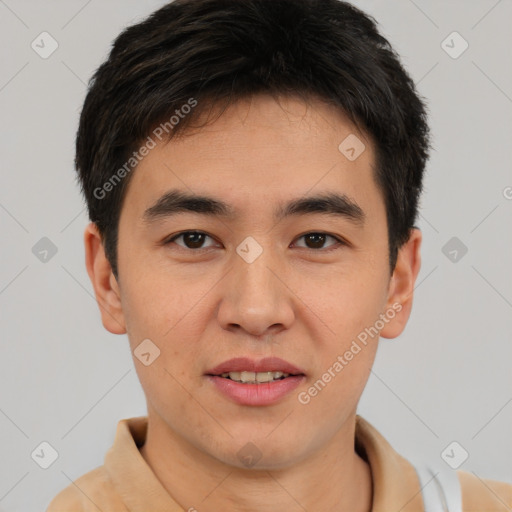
x=252 y=171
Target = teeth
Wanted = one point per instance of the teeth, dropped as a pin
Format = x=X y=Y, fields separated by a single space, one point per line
x=248 y=377
x=264 y=376
x=234 y=375
x=254 y=377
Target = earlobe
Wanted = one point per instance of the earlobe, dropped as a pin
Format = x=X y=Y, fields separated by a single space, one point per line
x=401 y=287
x=104 y=282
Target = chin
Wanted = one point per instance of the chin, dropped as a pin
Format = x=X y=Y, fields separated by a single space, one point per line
x=262 y=454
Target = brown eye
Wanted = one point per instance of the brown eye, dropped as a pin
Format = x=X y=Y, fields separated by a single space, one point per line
x=317 y=240
x=191 y=239
x=194 y=241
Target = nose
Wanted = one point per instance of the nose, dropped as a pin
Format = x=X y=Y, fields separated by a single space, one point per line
x=255 y=297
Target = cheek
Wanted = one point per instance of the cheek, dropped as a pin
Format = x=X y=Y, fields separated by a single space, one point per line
x=172 y=315
x=349 y=311
x=347 y=303
x=154 y=304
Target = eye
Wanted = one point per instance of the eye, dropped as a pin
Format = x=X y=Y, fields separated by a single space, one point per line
x=317 y=240
x=192 y=239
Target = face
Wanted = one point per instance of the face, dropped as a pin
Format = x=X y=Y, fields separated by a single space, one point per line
x=268 y=268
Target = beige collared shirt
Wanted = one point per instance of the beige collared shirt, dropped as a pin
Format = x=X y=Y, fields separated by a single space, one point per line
x=125 y=482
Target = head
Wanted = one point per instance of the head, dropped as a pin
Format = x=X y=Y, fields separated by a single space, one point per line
x=286 y=130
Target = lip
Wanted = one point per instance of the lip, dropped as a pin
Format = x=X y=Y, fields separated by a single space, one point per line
x=267 y=364
x=266 y=393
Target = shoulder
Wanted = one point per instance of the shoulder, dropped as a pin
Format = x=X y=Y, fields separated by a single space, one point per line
x=482 y=495
x=91 y=492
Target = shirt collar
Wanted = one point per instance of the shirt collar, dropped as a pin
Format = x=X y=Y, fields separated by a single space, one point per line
x=395 y=483
x=132 y=477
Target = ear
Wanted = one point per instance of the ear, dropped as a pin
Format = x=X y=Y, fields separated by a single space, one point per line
x=401 y=286
x=105 y=284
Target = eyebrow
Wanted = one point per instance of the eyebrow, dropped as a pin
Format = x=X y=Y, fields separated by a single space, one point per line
x=176 y=201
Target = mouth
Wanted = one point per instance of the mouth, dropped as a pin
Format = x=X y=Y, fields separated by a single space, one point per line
x=256 y=382
x=251 y=371
x=246 y=377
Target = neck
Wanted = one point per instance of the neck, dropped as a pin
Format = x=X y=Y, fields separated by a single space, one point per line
x=334 y=479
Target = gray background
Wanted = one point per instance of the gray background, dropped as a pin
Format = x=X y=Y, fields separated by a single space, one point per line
x=67 y=381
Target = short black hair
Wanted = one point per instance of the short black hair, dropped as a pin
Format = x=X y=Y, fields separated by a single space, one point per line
x=192 y=55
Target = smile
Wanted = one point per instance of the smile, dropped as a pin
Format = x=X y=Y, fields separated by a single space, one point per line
x=247 y=377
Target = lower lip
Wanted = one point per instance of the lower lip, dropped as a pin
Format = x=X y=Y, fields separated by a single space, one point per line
x=266 y=393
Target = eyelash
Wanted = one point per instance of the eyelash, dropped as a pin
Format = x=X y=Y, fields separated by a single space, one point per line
x=340 y=241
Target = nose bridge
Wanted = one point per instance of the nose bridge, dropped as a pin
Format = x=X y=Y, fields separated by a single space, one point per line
x=254 y=282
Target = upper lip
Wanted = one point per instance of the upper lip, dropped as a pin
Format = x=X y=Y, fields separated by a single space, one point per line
x=267 y=364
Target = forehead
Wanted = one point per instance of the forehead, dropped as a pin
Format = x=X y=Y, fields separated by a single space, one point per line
x=258 y=154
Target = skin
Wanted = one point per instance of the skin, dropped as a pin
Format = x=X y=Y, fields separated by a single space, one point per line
x=295 y=301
